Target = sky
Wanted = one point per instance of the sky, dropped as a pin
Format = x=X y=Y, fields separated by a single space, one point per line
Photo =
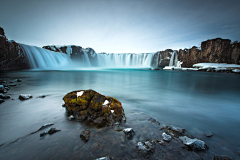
x=120 y=26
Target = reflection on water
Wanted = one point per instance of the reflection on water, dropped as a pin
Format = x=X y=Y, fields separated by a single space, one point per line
x=196 y=101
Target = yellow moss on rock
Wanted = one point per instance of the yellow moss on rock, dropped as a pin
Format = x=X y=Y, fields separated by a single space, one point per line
x=90 y=103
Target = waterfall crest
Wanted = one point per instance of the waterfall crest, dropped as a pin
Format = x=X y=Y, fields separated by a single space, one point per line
x=40 y=58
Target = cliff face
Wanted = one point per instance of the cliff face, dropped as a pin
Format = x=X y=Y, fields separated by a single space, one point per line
x=162 y=58
x=212 y=51
x=75 y=52
x=12 y=57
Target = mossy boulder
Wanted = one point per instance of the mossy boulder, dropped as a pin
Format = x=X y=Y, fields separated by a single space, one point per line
x=94 y=108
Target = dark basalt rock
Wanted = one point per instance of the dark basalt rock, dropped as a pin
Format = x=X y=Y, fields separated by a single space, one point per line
x=24 y=96
x=53 y=130
x=17 y=80
x=41 y=96
x=194 y=144
x=2 y=96
x=145 y=148
x=45 y=126
x=129 y=132
x=12 y=55
x=1 y=101
x=91 y=107
x=85 y=135
x=208 y=134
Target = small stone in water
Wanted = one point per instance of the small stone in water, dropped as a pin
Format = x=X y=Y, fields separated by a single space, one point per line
x=24 y=96
x=103 y=158
x=43 y=133
x=129 y=132
x=53 y=130
x=71 y=117
x=166 y=137
x=208 y=134
x=17 y=80
x=1 y=101
x=85 y=135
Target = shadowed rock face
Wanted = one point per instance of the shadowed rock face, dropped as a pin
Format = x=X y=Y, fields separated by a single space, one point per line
x=12 y=57
x=94 y=108
x=212 y=51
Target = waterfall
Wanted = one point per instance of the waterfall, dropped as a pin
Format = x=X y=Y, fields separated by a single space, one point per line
x=40 y=58
x=171 y=60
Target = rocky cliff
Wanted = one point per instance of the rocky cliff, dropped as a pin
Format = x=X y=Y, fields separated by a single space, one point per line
x=12 y=56
x=212 y=51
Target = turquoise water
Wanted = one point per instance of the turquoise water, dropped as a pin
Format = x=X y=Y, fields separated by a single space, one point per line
x=196 y=101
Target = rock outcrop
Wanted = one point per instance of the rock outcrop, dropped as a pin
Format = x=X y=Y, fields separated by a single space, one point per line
x=212 y=51
x=12 y=56
x=77 y=53
x=94 y=108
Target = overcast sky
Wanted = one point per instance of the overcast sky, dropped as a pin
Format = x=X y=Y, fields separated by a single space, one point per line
x=120 y=26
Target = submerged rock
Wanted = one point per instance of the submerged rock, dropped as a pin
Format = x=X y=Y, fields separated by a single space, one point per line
x=43 y=134
x=153 y=120
x=45 y=126
x=94 y=108
x=104 y=158
x=2 y=89
x=53 y=130
x=24 y=96
x=14 y=84
x=145 y=148
x=41 y=96
x=17 y=80
x=166 y=137
x=177 y=131
x=85 y=135
x=208 y=134
x=71 y=118
x=2 y=96
x=50 y=131
x=1 y=101
x=129 y=132
x=194 y=144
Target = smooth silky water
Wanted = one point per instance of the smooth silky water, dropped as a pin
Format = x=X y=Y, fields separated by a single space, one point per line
x=196 y=101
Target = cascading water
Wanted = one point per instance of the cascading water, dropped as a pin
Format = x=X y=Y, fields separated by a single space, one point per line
x=126 y=60
x=40 y=58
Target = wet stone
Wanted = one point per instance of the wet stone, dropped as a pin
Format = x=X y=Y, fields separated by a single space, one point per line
x=14 y=84
x=145 y=148
x=166 y=137
x=194 y=144
x=41 y=96
x=161 y=142
x=85 y=135
x=1 y=101
x=208 y=134
x=24 y=96
x=71 y=118
x=177 y=131
x=2 y=89
x=129 y=132
x=53 y=130
x=2 y=96
x=153 y=120
x=104 y=158
x=45 y=126
x=17 y=80
x=43 y=134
